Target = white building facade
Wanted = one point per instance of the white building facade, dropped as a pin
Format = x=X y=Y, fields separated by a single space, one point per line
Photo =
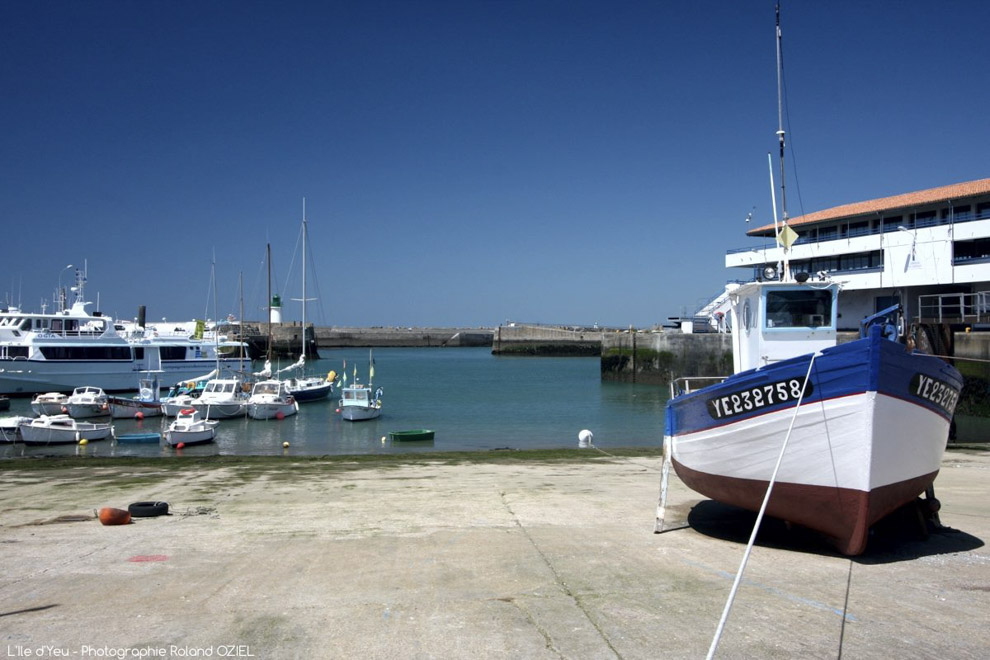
x=927 y=250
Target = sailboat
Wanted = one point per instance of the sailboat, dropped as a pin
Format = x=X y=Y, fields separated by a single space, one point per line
x=356 y=400
x=269 y=397
x=829 y=436
x=222 y=397
x=306 y=388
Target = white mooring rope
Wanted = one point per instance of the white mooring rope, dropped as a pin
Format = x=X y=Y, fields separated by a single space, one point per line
x=759 y=518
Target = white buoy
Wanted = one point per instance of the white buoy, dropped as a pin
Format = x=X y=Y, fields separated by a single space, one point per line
x=584 y=439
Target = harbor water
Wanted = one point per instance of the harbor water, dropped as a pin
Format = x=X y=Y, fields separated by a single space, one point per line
x=474 y=401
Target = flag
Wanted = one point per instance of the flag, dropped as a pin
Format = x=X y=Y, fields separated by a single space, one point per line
x=786 y=237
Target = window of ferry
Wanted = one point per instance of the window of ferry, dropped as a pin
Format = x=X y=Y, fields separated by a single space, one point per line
x=806 y=308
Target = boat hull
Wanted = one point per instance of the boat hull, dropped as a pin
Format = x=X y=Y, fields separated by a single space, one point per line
x=130 y=408
x=220 y=410
x=187 y=438
x=359 y=413
x=34 y=376
x=38 y=433
x=867 y=438
x=417 y=435
x=86 y=410
x=305 y=393
x=10 y=428
x=271 y=410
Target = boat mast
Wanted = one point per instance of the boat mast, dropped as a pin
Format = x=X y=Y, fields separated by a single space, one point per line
x=268 y=258
x=781 y=236
x=304 y=280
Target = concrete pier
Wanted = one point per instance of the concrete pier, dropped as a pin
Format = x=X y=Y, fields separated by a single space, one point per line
x=464 y=557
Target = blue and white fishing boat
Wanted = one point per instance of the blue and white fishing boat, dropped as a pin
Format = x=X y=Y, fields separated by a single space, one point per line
x=357 y=403
x=829 y=436
x=859 y=428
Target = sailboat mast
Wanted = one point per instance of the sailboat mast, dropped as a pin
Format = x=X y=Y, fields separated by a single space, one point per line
x=304 y=280
x=268 y=258
x=786 y=274
x=780 y=118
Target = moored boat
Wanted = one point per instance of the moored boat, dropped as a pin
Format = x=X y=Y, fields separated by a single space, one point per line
x=222 y=398
x=189 y=428
x=145 y=404
x=414 y=435
x=271 y=400
x=10 y=430
x=55 y=351
x=49 y=403
x=358 y=404
x=86 y=402
x=356 y=400
x=62 y=430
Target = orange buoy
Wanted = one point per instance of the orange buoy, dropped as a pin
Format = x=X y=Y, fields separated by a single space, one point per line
x=280 y=415
x=181 y=445
x=139 y=416
x=111 y=516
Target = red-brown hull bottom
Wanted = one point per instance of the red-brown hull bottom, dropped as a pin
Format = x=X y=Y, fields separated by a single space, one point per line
x=842 y=515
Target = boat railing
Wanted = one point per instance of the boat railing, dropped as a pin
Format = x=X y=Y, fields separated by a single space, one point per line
x=688 y=384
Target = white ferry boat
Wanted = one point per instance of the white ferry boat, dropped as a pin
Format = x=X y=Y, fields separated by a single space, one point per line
x=57 y=352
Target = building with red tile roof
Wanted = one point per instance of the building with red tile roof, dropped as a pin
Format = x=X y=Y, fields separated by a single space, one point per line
x=928 y=250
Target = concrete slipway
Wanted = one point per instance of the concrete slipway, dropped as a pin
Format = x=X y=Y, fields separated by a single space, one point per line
x=465 y=558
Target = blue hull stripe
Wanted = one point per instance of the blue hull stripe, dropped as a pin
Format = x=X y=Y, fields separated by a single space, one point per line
x=872 y=364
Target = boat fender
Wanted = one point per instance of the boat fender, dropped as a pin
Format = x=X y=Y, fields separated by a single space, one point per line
x=112 y=516
x=331 y=376
x=148 y=509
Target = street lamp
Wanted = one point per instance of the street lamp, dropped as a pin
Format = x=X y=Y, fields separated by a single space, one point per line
x=61 y=295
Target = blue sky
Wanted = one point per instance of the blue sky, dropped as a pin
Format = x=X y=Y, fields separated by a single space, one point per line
x=463 y=163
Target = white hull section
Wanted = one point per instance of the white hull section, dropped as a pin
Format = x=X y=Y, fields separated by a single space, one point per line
x=272 y=410
x=24 y=377
x=359 y=413
x=220 y=410
x=859 y=442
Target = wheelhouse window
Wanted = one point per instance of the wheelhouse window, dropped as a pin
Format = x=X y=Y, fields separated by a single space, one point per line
x=801 y=308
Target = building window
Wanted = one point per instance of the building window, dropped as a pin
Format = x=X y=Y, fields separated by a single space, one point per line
x=859 y=228
x=926 y=219
x=891 y=223
x=971 y=251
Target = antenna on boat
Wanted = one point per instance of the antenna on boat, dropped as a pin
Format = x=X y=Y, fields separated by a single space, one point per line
x=786 y=236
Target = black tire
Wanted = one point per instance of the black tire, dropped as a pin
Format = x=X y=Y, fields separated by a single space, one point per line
x=148 y=509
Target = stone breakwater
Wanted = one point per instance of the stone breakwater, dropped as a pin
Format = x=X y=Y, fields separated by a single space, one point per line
x=287 y=338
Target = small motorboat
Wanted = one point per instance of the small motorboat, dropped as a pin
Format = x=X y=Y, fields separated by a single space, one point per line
x=222 y=398
x=62 y=430
x=86 y=402
x=145 y=404
x=271 y=400
x=416 y=435
x=189 y=428
x=357 y=403
x=50 y=403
